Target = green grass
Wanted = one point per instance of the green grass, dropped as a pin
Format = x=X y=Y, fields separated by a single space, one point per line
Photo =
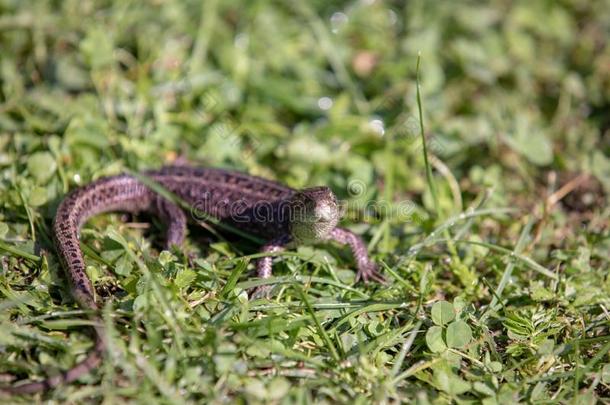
x=495 y=241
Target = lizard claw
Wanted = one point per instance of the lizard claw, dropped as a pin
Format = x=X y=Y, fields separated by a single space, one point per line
x=369 y=272
x=262 y=291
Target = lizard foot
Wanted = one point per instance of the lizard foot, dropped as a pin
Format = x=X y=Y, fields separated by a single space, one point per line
x=262 y=291
x=368 y=272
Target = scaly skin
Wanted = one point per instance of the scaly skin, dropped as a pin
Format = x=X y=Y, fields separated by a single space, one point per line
x=283 y=216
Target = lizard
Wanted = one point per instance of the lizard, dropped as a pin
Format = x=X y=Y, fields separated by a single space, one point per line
x=280 y=215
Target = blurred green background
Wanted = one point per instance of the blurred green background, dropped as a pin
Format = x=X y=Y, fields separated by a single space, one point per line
x=516 y=107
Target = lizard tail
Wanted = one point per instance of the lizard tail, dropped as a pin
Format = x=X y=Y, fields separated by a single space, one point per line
x=123 y=193
x=92 y=360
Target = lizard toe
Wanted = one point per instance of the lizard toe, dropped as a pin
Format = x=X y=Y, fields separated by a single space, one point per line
x=370 y=272
x=260 y=292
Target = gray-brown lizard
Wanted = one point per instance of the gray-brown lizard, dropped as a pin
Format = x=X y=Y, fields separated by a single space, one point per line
x=280 y=215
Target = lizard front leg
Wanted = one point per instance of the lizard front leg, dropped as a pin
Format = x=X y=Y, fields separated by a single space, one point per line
x=175 y=220
x=367 y=270
x=264 y=264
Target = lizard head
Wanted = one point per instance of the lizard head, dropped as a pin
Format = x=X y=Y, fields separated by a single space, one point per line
x=314 y=213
